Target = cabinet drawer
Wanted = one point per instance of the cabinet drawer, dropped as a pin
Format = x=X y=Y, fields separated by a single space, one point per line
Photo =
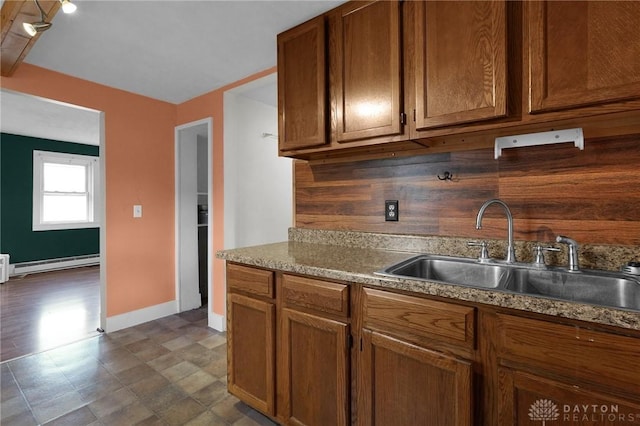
x=586 y=355
x=250 y=280
x=419 y=320
x=315 y=294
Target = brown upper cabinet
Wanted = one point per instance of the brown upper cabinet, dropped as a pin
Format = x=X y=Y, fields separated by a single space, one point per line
x=302 y=87
x=582 y=53
x=365 y=69
x=378 y=76
x=460 y=62
x=393 y=68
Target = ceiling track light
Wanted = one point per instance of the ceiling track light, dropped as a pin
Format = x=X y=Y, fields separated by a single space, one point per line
x=68 y=7
x=33 y=28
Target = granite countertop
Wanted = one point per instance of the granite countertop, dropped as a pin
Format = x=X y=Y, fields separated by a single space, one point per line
x=333 y=259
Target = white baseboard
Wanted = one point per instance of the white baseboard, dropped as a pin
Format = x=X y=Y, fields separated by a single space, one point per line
x=217 y=322
x=130 y=319
x=53 y=264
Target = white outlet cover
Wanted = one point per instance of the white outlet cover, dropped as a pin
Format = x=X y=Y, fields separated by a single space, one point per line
x=137 y=210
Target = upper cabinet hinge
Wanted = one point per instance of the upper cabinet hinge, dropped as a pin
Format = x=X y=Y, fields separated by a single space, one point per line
x=403 y=118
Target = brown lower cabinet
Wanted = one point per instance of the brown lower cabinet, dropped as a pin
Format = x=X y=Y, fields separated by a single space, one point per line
x=569 y=373
x=405 y=384
x=251 y=327
x=415 y=361
x=314 y=362
x=313 y=355
x=528 y=397
x=308 y=351
x=251 y=351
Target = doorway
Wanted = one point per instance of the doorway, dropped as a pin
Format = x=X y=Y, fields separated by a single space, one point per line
x=51 y=125
x=193 y=204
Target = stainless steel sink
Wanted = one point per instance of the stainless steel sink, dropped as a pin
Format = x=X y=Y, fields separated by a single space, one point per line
x=586 y=286
x=450 y=270
x=593 y=287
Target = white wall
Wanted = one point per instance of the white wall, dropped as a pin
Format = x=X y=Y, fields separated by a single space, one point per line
x=187 y=163
x=258 y=187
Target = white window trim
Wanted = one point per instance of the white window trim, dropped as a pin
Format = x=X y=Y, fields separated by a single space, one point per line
x=93 y=183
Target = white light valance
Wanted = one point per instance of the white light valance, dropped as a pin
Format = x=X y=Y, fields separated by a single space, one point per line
x=542 y=138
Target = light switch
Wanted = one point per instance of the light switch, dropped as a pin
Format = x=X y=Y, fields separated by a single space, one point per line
x=137 y=210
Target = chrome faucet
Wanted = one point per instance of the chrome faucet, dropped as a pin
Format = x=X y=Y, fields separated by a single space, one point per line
x=573 y=252
x=511 y=253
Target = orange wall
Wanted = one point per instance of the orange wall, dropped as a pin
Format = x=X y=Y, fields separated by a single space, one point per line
x=139 y=158
x=212 y=105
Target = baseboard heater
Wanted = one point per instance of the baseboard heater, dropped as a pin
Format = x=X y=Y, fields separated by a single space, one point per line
x=53 y=264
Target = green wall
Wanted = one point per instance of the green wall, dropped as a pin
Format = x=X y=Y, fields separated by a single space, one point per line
x=16 y=203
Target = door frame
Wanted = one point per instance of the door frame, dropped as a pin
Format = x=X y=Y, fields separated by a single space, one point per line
x=103 y=224
x=209 y=123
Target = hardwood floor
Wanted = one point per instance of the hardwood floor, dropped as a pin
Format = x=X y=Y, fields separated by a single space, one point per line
x=47 y=310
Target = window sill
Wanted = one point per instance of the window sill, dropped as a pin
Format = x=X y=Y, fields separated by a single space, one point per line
x=63 y=226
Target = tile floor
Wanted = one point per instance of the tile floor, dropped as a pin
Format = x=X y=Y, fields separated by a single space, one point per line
x=171 y=371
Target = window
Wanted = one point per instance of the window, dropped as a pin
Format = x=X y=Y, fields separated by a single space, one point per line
x=65 y=191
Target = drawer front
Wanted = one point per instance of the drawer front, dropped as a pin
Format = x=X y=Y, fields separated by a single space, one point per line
x=419 y=320
x=250 y=280
x=319 y=295
x=588 y=355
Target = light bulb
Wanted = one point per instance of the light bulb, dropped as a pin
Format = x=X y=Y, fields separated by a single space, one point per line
x=68 y=7
x=29 y=28
x=34 y=28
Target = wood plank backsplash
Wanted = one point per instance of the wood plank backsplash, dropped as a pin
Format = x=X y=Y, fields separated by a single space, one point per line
x=592 y=196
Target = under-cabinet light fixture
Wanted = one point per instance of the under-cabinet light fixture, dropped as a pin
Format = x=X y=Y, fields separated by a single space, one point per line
x=542 y=138
x=33 y=28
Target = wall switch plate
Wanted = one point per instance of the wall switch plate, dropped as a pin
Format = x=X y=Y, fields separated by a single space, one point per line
x=137 y=210
x=391 y=210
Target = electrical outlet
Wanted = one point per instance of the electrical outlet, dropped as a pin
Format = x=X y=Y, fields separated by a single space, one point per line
x=391 y=211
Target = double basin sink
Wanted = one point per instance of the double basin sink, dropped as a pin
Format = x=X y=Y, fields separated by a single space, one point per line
x=586 y=286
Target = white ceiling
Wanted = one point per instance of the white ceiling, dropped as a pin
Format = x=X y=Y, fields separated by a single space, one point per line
x=166 y=49
x=27 y=115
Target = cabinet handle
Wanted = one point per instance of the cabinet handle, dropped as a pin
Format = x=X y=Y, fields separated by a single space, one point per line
x=403 y=118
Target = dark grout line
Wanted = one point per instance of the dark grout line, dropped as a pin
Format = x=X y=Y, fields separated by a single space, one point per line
x=90 y=336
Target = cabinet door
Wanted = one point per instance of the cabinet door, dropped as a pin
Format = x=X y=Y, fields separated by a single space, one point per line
x=250 y=351
x=404 y=384
x=582 y=53
x=365 y=70
x=302 y=86
x=315 y=374
x=595 y=358
x=460 y=62
x=527 y=399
